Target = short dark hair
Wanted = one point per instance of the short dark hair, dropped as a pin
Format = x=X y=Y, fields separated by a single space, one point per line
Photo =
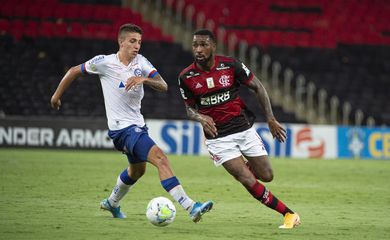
x=205 y=32
x=129 y=28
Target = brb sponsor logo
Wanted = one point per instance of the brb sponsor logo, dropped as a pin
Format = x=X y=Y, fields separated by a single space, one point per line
x=215 y=99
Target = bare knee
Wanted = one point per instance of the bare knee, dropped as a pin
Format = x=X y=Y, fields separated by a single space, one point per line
x=262 y=168
x=267 y=176
x=137 y=172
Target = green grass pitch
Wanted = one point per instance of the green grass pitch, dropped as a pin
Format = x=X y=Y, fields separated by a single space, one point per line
x=55 y=194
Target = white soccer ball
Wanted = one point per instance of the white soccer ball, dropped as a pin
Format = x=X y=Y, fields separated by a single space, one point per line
x=160 y=211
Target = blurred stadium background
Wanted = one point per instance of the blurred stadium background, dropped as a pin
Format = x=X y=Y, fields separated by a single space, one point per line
x=323 y=62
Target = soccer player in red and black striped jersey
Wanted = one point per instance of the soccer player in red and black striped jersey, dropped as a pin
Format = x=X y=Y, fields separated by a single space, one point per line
x=209 y=87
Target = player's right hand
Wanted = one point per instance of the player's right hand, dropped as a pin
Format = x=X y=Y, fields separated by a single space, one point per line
x=133 y=82
x=55 y=103
x=208 y=125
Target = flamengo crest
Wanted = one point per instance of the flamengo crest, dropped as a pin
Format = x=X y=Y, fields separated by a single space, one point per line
x=224 y=80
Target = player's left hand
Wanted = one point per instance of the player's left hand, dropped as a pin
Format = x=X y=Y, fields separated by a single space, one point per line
x=277 y=130
x=133 y=82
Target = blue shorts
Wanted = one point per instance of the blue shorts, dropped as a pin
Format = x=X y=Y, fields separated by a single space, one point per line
x=133 y=141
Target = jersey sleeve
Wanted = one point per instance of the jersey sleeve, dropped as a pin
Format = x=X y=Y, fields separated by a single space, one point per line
x=186 y=94
x=148 y=70
x=94 y=65
x=242 y=73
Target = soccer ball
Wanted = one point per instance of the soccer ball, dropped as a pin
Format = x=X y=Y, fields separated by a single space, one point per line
x=160 y=211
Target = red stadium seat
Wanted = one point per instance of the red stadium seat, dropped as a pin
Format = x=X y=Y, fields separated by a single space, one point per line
x=34 y=10
x=31 y=29
x=76 y=30
x=335 y=16
x=113 y=13
x=60 y=29
x=47 y=12
x=46 y=29
x=73 y=11
x=87 y=11
x=7 y=9
x=4 y=26
x=20 y=10
x=17 y=28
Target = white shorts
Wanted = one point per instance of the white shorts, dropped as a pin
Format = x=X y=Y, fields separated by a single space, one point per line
x=247 y=143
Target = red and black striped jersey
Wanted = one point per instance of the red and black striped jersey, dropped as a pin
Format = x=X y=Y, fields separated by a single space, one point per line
x=215 y=93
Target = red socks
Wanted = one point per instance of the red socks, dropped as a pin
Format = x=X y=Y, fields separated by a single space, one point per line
x=261 y=193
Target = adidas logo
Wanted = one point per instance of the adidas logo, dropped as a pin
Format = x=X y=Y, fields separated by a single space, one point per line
x=198 y=85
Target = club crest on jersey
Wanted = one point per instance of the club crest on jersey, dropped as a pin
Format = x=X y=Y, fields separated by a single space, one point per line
x=224 y=80
x=137 y=72
x=210 y=82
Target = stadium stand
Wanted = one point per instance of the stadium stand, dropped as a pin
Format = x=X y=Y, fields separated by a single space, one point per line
x=44 y=61
x=340 y=46
x=41 y=39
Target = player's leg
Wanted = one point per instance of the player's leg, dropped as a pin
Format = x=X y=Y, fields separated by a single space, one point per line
x=252 y=147
x=238 y=169
x=172 y=185
x=261 y=167
x=124 y=183
x=227 y=151
x=124 y=140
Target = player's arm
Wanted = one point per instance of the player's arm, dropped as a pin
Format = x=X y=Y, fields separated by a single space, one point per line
x=262 y=97
x=73 y=73
x=207 y=122
x=157 y=83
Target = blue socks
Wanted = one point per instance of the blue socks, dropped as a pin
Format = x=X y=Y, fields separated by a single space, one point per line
x=126 y=178
x=170 y=183
x=173 y=187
